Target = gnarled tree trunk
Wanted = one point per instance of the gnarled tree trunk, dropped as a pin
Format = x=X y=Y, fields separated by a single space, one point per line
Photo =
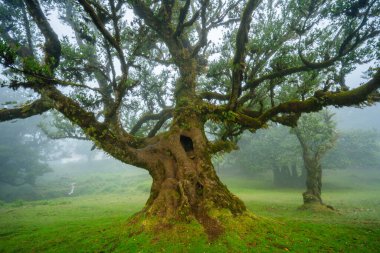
x=185 y=184
x=313 y=182
x=316 y=135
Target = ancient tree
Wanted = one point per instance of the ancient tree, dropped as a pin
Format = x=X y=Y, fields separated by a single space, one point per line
x=144 y=81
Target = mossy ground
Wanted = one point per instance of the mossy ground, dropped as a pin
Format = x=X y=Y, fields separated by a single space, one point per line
x=102 y=223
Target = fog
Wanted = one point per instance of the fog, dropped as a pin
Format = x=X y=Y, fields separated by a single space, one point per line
x=266 y=171
x=76 y=169
x=358 y=118
x=353 y=163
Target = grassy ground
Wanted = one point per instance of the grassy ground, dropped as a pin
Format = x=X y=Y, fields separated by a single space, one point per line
x=97 y=223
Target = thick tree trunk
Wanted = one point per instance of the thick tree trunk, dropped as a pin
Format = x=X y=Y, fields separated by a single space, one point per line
x=185 y=184
x=313 y=182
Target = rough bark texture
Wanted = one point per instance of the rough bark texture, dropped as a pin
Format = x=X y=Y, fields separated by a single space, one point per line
x=185 y=184
x=312 y=153
x=312 y=194
x=312 y=199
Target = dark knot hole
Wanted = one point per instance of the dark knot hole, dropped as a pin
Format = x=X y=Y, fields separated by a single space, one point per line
x=199 y=189
x=187 y=143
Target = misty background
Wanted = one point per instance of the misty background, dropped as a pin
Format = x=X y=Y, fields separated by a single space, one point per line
x=36 y=167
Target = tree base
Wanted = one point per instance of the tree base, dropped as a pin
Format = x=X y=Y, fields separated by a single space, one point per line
x=317 y=207
x=211 y=226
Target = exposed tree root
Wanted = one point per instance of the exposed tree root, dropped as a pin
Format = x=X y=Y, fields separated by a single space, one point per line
x=212 y=225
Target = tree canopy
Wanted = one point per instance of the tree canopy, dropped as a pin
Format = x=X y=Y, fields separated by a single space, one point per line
x=275 y=146
x=316 y=133
x=123 y=71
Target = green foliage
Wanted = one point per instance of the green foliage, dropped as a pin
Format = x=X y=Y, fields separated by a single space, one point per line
x=317 y=133
x=7 y=54
x=17 y=203
x=10 y=13
x=77 y=62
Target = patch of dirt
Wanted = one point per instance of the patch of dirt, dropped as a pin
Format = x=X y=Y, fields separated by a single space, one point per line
x=211 y=226
x=162 y=227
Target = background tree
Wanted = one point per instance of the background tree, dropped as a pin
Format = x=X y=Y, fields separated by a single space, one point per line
x=123 y=52
x=316 y=132
x=21 y=160
x=268 y=149
x=277 y=149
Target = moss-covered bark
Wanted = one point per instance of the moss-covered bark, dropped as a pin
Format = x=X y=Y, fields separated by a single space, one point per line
x=312 y=194
x=185 y=185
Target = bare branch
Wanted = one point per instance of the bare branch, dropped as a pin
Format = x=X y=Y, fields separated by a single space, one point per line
x=115 y=42
x=218 y=19
x=240 y=53
x=287 y=113
x=182 y=17
x=159 y=124
x=50 y=80
x=204 y=31
x=352 y=41
x=52 y=46
x=214 y=95
x=27 y=28
x=252 y=84
x=121 y=147
x=151 y=116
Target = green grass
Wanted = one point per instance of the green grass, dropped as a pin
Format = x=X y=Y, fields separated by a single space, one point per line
x=98 y=223
x=66 y=224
